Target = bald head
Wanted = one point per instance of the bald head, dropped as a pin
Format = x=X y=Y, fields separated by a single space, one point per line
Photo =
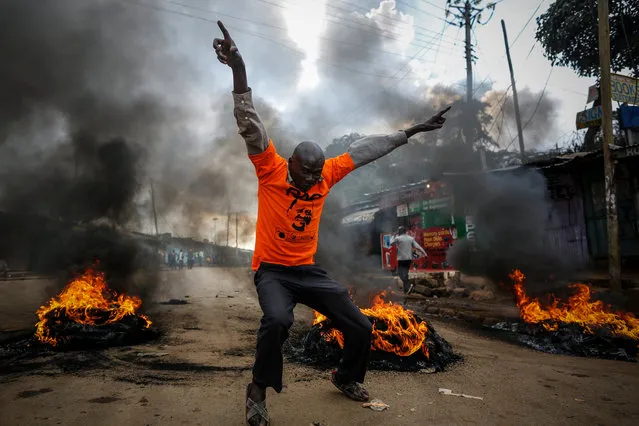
x=306 y=164
x=308 y=152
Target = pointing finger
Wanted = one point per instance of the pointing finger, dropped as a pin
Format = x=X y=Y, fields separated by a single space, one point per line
x=442 y=112
x=224 y=31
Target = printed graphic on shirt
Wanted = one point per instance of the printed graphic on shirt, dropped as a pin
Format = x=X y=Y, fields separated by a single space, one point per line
x=301 y=214
x=293 y=236
x=288 y=218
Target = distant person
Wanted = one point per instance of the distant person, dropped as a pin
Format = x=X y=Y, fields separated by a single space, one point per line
x=191 y=260
x=405 y=245
x=290 y=198
x=173 y=260
x=181 y=260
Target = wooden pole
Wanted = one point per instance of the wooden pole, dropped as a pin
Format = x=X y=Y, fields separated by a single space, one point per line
x=520 y=132
x=614 y=258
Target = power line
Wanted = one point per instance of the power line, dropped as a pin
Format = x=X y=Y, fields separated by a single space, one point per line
x=383 y=16
x=513 y=42
x=501 y=127
x=261 y=36
x=201 y=18
x=276 y=26
x=380 y=32
x=527 y=22
x=421 y=10
x=531 y=50
x=434 y=5
x=344 y=22
x=566 y=90
x=541 y=96
x=501 y=104
x=366 y=101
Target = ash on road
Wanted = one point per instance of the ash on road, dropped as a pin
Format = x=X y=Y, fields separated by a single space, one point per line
x=197 y=372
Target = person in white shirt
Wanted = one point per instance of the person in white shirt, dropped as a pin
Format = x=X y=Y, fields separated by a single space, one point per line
x=405 y=245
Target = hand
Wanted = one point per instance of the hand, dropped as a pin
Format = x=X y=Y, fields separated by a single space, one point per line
x=226 y=49
x=435 y=122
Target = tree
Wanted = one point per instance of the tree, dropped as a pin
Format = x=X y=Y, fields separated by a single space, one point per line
x=568 y=33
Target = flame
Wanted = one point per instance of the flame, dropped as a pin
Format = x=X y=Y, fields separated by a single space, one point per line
x=86 y=300
x=579 y=309
x=395 y=329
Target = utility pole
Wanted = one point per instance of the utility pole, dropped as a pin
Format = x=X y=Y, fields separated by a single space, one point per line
x=228 y=227
x=236 y=222
x=467 y=15
x=614 y=258
x=520 y=132
x=469 y=58
x=155 y=215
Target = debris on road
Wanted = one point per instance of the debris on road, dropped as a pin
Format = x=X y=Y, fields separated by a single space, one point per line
x=151 y=354
x=445 y=391
x=175 y=302
x=376 y=405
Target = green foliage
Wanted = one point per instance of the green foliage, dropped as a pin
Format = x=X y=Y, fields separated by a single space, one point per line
x=568 y=32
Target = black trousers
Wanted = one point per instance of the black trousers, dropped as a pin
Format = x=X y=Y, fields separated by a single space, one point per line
x=279 y=289
x=402 y=270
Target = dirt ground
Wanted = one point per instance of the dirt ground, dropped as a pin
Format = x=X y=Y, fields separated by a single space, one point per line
x=204 y=358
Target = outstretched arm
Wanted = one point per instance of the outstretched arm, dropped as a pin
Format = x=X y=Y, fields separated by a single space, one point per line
x=248 y=121
x=419 y=248
x=373 y=147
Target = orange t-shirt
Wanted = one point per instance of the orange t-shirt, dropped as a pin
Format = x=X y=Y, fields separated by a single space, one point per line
x=287 y=218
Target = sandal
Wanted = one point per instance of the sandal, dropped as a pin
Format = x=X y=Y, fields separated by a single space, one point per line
x=256 y=413
x=353 y=390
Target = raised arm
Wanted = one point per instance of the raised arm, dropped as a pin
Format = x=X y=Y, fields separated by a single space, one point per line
x=249 y=124
x=371 y=148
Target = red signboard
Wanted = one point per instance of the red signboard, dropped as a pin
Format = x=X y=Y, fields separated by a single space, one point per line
x=434 y=240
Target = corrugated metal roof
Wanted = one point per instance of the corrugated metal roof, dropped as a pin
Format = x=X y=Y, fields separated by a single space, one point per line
x=361 y=217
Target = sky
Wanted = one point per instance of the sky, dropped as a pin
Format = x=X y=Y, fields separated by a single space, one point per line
x=306 y=23
x=77 y=74
x=418 y=31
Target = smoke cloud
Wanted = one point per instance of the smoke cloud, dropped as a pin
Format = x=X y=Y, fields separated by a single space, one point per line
x=510 y=213
x=101 y=103
x=89 y=104
x=537 y=109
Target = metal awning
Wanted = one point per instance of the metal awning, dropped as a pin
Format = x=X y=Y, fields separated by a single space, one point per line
x=361 y=217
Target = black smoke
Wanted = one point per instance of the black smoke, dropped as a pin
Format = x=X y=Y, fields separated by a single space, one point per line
x=85 y=97
x=509 y=212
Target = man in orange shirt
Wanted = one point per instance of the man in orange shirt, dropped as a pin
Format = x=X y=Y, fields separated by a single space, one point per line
x=290 y=197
